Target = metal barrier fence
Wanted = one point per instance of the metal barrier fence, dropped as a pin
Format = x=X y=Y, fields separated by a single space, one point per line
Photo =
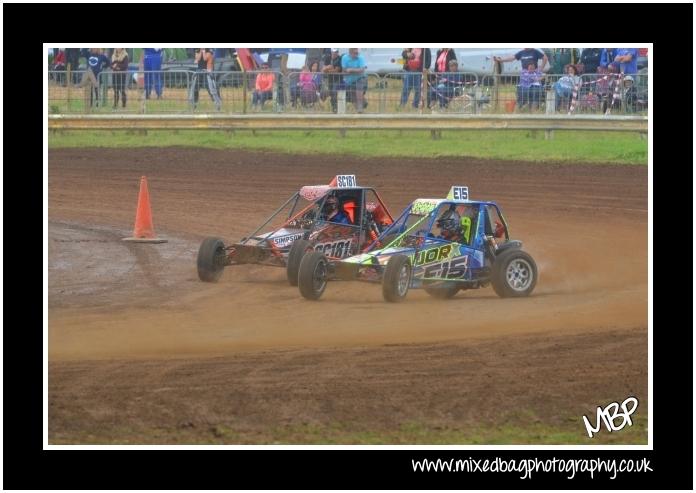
x=185 y=92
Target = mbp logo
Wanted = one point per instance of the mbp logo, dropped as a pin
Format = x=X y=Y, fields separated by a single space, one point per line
x=609 y=414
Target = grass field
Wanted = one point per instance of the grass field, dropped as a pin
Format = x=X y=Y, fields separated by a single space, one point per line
x=568 y=146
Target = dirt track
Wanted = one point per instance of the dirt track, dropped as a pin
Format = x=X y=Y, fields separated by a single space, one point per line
x=585 y=225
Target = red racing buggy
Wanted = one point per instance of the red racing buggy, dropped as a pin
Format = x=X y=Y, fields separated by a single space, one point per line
x=339 y=219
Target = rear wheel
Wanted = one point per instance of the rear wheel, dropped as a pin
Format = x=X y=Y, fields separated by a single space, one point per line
x=442 y=292
x=211 y=259
x=397 y=278
x=514 y=274
x=313 y=275
x=297 y=251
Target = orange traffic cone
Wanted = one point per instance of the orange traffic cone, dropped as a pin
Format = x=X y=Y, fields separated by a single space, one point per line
x=144 y=231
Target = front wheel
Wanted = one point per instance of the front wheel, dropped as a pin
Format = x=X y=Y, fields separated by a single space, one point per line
x=313 y=275
x=514 y=274
x=211 y=259
x=297 y=251
x=397 y=278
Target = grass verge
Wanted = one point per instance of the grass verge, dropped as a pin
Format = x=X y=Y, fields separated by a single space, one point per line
x=523 y=145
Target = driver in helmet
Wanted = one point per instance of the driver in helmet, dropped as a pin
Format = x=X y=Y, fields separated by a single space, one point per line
x=450 y=226
x=331 y=211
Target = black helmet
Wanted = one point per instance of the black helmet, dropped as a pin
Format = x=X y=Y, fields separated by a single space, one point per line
x=449 y=222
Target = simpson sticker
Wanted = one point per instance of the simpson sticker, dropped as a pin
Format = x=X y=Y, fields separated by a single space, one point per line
x=282 y=241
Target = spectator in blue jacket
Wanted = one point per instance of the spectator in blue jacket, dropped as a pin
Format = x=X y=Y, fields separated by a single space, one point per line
x=627 y=59
x=152 y=65
x=607 y=57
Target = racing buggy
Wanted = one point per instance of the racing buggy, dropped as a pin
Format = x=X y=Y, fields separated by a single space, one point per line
x=440 y=245
x=339 y=220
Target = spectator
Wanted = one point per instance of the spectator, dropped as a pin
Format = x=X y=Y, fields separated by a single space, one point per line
x=355 y=79
x=264 y=86
x=442 y=59
x=72 y=59
x=310 y=85
x=307 y=86
x=119 y=66
x=629 y=96
x=607 y=57
x=529 y=89
x=96 y=61
x=415 y=61
x=58 y=65
x=152 y=65
x=450 y=84
x=590 y=59
x=205 y=59
x=278 y=63
x=525 y=56
x=605 y=86
x=627 y=59
x=561 y=58
x=564 y=87
x=295 y=80
x=334 y=80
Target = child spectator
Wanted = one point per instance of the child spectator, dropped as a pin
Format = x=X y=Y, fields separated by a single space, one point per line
x=310 y=84
x=629 y=96
x=564 y=87
x=307 y=87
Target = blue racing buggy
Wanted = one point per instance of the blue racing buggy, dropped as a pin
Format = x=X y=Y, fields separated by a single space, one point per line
x=440 y=245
